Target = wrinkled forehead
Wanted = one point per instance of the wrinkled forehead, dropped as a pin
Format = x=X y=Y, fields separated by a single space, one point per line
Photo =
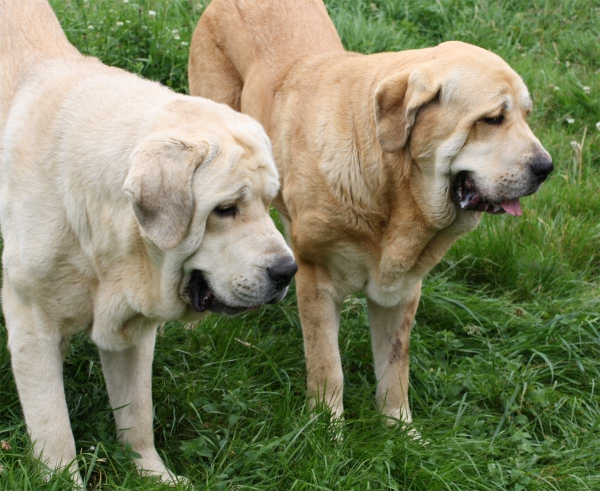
x=248 y=172
x=490 y=87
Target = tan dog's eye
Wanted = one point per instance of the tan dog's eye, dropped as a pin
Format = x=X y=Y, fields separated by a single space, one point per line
x=226 y=211
x=496 y=121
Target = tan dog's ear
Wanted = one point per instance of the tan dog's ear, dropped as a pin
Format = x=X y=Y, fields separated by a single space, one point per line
x=397 y=100
x=159 y=187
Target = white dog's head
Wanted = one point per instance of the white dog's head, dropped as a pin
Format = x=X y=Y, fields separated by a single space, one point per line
x=461 y=112
x=201 y=185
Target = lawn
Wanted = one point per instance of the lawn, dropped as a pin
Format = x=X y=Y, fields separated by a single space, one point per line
x=505 y=353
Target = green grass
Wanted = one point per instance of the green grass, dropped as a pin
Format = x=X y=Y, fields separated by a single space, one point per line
x=505 y=354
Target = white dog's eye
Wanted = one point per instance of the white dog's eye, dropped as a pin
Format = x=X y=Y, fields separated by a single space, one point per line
x=226 y=211
x=496 y=121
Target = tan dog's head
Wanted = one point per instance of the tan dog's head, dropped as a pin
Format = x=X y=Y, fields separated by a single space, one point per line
x=461 y=113
x=201 y=185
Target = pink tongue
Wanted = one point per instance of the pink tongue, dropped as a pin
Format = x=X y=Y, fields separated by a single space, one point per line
x=513 y=207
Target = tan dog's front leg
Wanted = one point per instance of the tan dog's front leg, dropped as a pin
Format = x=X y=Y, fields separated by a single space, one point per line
x=320 y=317
x=390 y=337
x=128 y=375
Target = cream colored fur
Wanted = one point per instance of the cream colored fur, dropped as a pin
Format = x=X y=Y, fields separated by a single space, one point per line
x=108 y=184
x=368 y=148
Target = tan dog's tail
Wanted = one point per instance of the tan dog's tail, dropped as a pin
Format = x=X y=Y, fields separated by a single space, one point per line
x=29 y=32
x=238 y=39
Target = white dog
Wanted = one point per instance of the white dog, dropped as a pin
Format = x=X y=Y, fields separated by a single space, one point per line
x=122 y=205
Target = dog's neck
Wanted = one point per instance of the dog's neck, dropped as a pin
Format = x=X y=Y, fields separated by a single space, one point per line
x=389 y=178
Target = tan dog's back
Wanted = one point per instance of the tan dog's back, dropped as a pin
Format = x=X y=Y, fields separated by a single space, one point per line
x=276 y=33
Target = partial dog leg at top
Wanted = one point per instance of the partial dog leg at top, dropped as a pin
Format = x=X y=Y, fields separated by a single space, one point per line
x=128 y=375
x=390 y=337
x=320 y=318
x=212 y=75
x=37 y=352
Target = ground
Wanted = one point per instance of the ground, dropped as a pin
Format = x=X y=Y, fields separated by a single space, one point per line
x=505 y=352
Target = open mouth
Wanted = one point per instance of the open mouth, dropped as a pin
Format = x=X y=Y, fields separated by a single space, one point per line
x=202 y=298
x=465 y=193
x=199 y=292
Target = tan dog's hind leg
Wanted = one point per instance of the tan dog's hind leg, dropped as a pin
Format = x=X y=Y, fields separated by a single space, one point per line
x=320 y=317
x=128 y=375
x=211 y=74
x=390 y=337
x=37 y=352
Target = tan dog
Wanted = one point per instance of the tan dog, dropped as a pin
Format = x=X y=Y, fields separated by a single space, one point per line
x=385 y=161
x=123 y=205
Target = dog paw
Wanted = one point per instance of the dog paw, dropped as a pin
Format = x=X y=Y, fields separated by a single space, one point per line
x=412 y=433
x=174 y=480
x=336 y=429
x=166 y=476
x=405 y=426
x=69 y=474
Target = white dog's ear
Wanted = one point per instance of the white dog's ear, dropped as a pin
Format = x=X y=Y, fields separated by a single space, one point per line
x=397 y=101
x=159 y=187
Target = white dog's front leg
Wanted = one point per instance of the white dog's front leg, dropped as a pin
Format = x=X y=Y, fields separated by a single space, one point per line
x=128 y=375
x=37 y=361
x=390 y=337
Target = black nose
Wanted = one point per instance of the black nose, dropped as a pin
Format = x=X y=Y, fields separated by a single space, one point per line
x=283 y=271
x=541 y=166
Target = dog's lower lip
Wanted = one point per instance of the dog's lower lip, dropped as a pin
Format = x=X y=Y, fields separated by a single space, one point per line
x=202 y=298
x=468 y=198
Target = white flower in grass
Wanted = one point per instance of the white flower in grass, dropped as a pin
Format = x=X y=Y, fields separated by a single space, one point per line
x=145 y=28
x=91 y=28
x=127 y=22
x=556 y=87
x=183 y=43
x=119 y=23
x=175 y=31
x=125 y=1
x=570 y=120
x=598 y=125
x=586 y=89
x=177 y=37
x=151 y=13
